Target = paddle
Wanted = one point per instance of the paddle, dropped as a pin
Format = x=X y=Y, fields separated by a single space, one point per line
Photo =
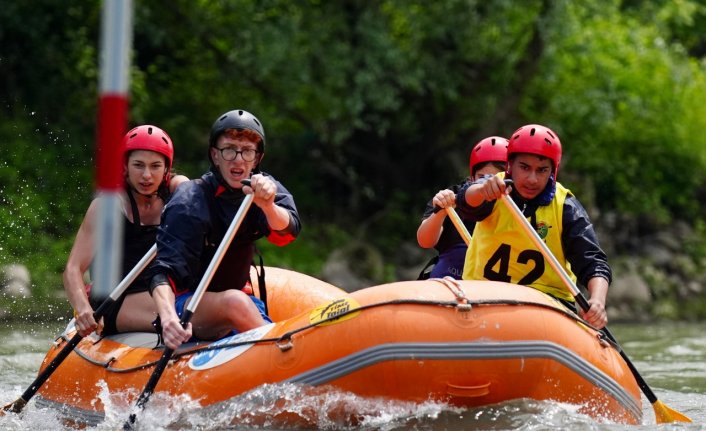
x=460 y=227
x=17 y=405
x=456 y=220
x=193 y=304
x=663 y=413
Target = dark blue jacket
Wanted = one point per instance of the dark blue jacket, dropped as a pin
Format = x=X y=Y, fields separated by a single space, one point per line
x=194 y=223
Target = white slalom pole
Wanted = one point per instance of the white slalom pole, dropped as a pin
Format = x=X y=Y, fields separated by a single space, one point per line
x=116 y=42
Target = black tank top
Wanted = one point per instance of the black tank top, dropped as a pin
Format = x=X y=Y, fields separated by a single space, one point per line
x=138 y=240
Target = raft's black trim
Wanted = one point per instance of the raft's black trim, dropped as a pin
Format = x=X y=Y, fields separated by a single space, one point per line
x=192 y=348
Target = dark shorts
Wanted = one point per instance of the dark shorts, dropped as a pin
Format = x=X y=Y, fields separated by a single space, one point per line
x=450 y=263
x=110 y=318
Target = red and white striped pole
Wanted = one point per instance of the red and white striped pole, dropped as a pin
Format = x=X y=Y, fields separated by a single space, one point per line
x=116 y=42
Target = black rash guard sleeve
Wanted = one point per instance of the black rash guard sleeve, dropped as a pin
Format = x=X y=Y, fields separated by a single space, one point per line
x=580 y=244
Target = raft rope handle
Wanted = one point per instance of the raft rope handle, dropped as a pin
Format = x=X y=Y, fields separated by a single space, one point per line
x=287 y=337
x=284 y=344
x=455 y=287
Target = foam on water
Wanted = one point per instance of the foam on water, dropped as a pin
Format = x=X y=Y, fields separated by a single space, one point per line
x=295 y=407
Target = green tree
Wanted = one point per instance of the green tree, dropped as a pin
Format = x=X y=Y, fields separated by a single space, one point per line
x=626 y=105
x=369 y=107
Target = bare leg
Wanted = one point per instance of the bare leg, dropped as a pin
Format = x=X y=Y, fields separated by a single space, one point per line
x=220 y=312
x=137 y=313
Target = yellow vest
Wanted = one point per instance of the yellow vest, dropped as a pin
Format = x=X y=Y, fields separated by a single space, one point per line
x=500 y=250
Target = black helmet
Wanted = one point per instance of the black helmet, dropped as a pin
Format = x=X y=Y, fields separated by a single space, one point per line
x=240 y=120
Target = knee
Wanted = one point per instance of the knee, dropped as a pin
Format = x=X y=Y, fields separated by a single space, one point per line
x=235 y=301
x=241 y=311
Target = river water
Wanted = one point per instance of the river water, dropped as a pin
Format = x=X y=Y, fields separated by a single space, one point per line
x=671 y=357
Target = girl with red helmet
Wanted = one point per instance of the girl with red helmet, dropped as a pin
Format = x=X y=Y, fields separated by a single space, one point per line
x=488 y=157
x=500 y=251
x=148 y=183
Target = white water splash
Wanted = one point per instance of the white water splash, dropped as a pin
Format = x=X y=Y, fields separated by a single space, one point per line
x=291 y=406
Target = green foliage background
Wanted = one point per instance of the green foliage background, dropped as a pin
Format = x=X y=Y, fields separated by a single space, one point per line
x=369 y=107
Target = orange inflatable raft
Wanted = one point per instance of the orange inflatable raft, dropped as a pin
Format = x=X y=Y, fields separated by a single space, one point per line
x=469 y=343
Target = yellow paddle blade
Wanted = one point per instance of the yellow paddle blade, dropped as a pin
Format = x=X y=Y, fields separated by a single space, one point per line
x=664 y=414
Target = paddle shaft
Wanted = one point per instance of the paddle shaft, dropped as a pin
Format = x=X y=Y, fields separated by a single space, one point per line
x=19 y=404
x=571 y=286
x=216 y=260
x=191 y=307
x=458 y=223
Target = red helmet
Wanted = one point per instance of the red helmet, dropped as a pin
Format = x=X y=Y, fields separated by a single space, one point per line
x=539 y=140
x=491 y=149
x=150 y=138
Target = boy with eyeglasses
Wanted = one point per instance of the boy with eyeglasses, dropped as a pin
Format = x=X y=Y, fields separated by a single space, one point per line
x=194 y=223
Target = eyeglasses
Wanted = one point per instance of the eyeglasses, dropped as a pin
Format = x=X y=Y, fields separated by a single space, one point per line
x=229 y=154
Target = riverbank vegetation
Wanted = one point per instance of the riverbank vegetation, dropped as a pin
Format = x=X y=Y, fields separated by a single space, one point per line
x=369 y=109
